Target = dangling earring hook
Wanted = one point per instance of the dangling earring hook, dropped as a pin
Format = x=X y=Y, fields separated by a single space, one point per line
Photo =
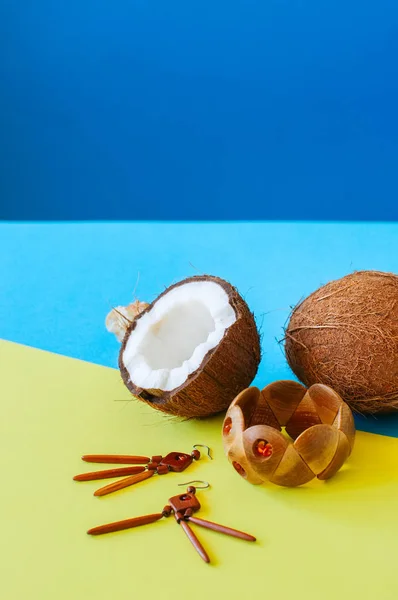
x=204 y=446
x=199 y=487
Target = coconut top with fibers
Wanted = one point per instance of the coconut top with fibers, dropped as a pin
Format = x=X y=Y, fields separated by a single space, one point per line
x=345 y=335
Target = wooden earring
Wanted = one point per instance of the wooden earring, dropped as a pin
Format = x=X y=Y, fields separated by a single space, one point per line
x=172 y=462
x=183 y=507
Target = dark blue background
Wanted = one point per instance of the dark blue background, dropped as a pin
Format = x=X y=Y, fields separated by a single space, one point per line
x=209 y=109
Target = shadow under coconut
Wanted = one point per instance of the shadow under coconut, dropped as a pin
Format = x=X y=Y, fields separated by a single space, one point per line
x=381 y=424
x=364 y=490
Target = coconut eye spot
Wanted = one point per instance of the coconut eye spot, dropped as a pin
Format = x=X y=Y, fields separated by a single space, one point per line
x=171 y=340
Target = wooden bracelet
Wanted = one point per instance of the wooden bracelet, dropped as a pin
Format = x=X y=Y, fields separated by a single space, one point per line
x=317 y=419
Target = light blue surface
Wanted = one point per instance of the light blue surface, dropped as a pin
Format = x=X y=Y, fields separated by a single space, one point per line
x=58 y=281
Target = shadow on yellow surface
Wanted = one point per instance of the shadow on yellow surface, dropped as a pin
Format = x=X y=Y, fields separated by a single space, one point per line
x=368 y=477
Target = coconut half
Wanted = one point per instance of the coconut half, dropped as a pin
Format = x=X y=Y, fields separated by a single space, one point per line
x=192 y=350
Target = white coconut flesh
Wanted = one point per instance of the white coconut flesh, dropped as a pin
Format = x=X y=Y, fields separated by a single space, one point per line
x=170 y=341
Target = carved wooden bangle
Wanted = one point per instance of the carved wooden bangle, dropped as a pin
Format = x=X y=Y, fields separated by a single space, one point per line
x=317 y=419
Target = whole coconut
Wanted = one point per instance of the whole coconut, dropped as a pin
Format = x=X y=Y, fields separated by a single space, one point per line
x=345 y=335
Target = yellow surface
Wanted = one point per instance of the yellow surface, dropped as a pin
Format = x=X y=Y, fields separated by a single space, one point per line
x=332 y=540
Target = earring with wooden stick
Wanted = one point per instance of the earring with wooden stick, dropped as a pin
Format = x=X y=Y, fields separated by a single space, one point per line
x=182 y=506
x=172 y=462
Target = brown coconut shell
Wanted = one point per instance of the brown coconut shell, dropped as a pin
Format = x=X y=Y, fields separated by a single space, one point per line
x=225 y=371
x=345 y=335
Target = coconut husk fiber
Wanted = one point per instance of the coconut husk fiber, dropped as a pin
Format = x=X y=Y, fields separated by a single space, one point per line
x=345 y=335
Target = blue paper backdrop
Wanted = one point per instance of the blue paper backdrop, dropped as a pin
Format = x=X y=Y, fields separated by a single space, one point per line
x=210 y=109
